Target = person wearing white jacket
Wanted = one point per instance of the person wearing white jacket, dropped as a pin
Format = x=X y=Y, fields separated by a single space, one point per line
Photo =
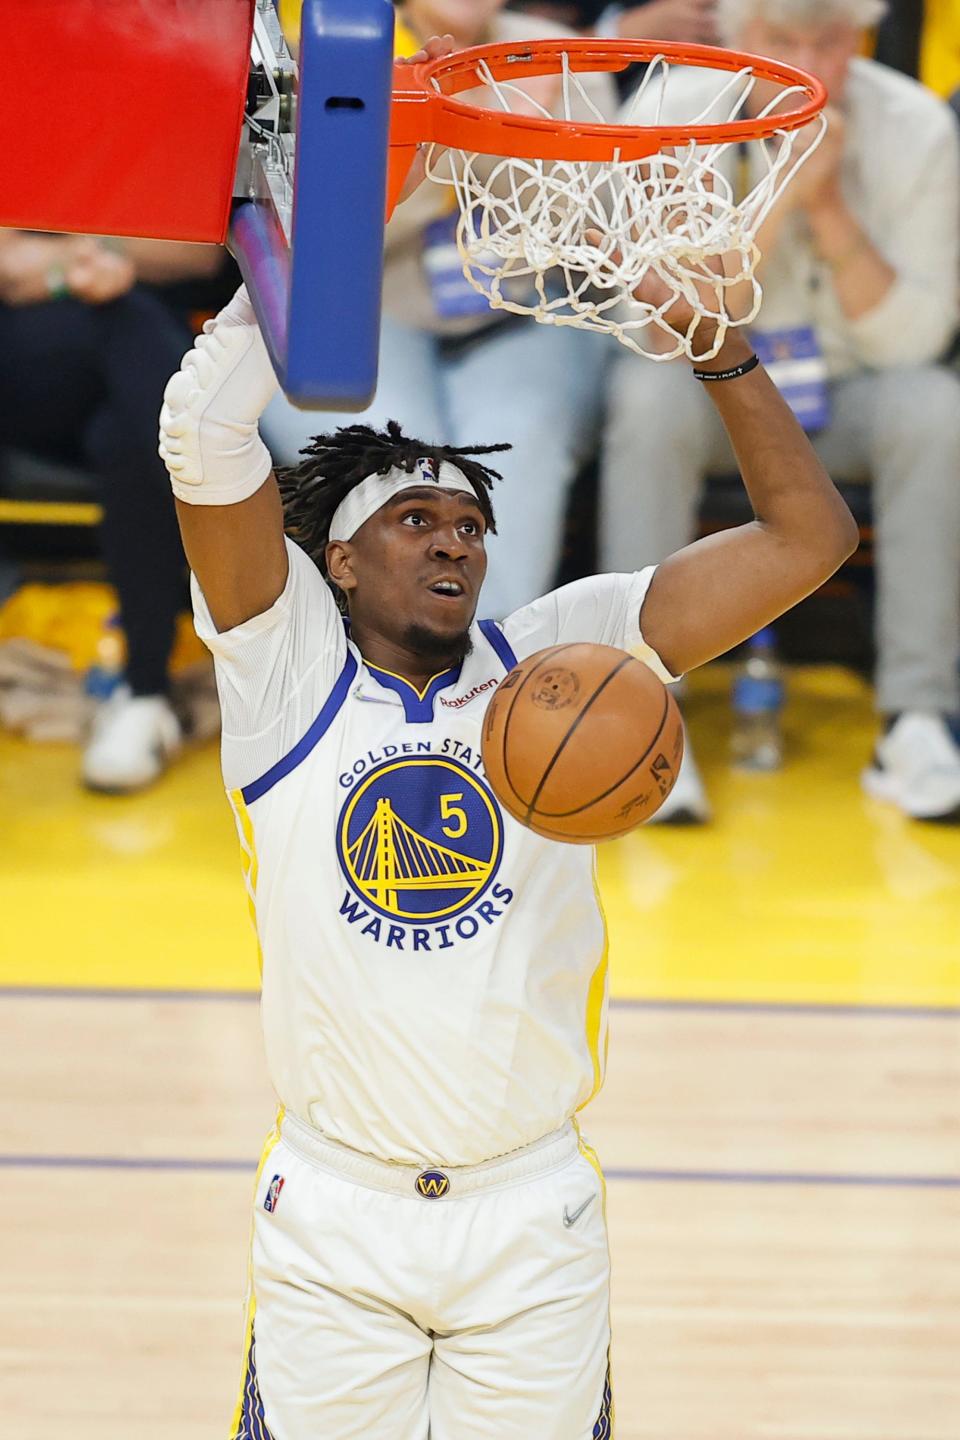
x=860 y=269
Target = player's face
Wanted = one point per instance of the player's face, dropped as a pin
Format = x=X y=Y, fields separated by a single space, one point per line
x=416 y=567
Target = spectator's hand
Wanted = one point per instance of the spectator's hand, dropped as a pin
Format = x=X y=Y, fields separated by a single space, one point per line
x=33 y=268
x=817 y=182
x=544 y=90
x=30 y=265
x=436 y=46
x=689 y=21
x=96 y=275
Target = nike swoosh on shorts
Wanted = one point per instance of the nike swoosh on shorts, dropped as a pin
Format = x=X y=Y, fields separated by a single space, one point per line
x=571 y=1217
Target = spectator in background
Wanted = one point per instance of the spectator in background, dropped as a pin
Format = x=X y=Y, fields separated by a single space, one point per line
x=448 y=362
x=690 y=21
x=85 y=353
x=861 y=259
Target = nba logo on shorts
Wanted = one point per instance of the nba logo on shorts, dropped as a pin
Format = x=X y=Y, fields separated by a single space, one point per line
x=273 y=1194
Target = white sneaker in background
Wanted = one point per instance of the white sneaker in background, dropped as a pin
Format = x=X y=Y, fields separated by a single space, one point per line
x=133 y=740
x=916 y=765
x=687 y=803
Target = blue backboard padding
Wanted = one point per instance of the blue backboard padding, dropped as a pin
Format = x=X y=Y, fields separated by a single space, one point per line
x=261 y=251
x=319 y=304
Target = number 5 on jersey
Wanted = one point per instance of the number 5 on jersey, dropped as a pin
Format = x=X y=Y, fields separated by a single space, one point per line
x=450 y=810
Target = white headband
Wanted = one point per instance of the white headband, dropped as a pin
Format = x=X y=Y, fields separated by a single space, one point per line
x=373 y=492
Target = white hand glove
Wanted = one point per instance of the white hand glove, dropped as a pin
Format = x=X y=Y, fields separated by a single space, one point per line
x=209 y=439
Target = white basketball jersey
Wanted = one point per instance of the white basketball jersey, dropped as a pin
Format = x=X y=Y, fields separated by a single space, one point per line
x=434 y=974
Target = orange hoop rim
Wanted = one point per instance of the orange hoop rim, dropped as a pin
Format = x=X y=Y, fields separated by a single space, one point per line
x=425 y=110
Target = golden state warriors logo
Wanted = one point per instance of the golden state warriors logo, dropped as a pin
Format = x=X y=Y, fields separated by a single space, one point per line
x=420 y=839
x=433 y=1184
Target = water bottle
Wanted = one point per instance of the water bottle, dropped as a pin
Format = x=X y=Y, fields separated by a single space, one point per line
x=758 y=693
x=106 y=672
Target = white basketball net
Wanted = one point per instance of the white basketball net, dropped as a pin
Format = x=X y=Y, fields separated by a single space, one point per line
x=683 y=222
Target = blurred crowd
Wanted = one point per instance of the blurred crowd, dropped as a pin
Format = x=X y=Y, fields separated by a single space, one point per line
x=861 y=279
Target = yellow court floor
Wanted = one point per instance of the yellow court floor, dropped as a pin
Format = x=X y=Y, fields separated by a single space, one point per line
x=802 y=890
x=779 y=1127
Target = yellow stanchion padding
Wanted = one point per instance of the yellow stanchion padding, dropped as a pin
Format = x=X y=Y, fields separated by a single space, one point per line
x=404 y=42
x=940 y=47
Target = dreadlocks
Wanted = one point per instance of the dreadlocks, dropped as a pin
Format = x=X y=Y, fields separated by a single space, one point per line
x=333 y=464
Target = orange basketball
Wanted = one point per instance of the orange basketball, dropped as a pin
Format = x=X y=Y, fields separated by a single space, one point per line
x=582 y=743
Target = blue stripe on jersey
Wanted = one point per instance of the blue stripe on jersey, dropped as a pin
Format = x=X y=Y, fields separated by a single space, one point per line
x=417 y=705
x=317 y=730
x=498 y=640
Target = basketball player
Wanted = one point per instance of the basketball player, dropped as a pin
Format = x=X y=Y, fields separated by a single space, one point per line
x=429 y=1250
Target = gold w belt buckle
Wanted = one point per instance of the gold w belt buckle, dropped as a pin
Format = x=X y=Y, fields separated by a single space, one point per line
x=433 y=1184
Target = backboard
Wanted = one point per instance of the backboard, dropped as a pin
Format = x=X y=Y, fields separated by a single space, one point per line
x=308 y=213
x=190 y=120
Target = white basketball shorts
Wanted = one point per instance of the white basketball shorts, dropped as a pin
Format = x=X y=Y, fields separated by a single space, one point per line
x=464 y=1304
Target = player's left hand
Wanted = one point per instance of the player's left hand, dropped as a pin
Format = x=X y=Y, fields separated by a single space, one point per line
x=681 y=315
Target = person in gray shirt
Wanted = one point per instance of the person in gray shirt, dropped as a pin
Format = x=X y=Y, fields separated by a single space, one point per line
x=860 y=269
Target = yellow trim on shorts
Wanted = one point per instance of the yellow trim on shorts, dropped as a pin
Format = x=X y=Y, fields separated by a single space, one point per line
x=248 y=859
x=595 y=998
x=270 y=1144
x=590 y=1155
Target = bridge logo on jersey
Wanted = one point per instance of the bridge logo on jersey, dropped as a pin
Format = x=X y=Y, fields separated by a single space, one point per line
x=420 y=839
x=433 y=1184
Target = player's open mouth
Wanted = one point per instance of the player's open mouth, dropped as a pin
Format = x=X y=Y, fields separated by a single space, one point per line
x=448 y=589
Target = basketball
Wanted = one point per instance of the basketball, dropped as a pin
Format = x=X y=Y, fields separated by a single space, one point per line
x=582 y=743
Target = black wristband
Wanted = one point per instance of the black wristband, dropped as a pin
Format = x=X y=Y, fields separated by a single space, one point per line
x=733 y=374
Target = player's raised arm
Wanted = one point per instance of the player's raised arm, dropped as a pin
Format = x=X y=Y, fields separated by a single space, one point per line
x=717 y=592
x=228 y=504
x=227 y=499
